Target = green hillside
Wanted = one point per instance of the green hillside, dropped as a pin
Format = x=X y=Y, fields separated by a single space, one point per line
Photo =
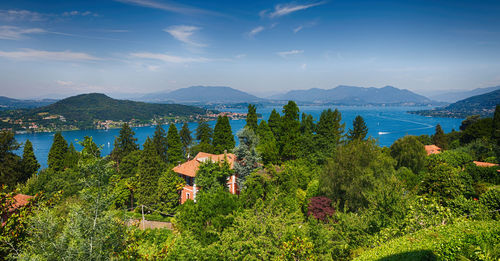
x=87 y=110
x=483 y=105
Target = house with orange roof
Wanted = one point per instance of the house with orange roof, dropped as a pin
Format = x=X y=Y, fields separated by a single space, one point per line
x=432 y=149
x=188 y=171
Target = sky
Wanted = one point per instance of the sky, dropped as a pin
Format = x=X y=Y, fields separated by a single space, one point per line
x=55 y=48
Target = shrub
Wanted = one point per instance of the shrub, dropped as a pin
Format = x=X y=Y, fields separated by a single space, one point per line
x=321 y=208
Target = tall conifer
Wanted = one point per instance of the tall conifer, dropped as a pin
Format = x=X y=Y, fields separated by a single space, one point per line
x=329 y=131
x=149 y=172
x=223 y=136
x=252 y=117
x=58 y=153
x=160 y=142
x=174 y=145
x=29 y=163
x=439 y=139
x=289 y=132
x=186 y=138
x=267 y=147
x=359 y=129
x=274 y=123
x=124 y=143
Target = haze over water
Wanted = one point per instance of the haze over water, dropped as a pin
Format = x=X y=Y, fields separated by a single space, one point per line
x=386 y=124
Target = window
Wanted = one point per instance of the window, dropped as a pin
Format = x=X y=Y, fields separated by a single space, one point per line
x=187 y=195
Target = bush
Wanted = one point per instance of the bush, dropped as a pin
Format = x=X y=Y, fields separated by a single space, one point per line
x=491 y=199
x=320 y=207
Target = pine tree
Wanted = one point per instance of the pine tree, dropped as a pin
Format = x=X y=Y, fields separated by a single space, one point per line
x=359 y=129
x=267 y=147
x=274 y=123
x=496 y=125
x=174 y=145
x=160 y=142
x=204 y=136
x=58 y=153
x=223 y=136
x=306 y=140
x=29 y=163
x=246 y=154
x=439 y=139
x=289 y=132
x=72 y=157
x=329 y=131
x=124 y=143
x=252 y=117
x=149 y=172
x=186 y=138
x=10 y=162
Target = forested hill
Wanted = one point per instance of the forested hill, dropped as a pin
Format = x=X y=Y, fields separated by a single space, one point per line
x=351 y=95
x=483 y=105
x=87 y=110
x=7 y=103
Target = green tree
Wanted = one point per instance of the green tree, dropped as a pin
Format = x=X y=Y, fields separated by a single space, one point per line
x=57 y=158
x=357 y=172
x=9 y=162
x=246 y=154
x=409 y=152
x=306 y=140
x=443 y=182
x=289 y=132
x=223 y=136
x=274 y=123
x=169 y=185
x=267 y=147
x=149 y=171
x=160 y=142
x=496 y=125
x=329 y=131
x=90 y=149
x=439 y=138
x=252 y=117
x=125 y=143
x=359 y=129
x=212 y=175
x=482 y=128
x=204 y=137
x=72 y=156
x=29 y=163
x=186 y=138
x=174 y=146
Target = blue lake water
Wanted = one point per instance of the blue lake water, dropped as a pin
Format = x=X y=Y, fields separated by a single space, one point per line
x=387 y=124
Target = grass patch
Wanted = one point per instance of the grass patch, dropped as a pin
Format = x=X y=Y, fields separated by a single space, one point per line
x=474 y=240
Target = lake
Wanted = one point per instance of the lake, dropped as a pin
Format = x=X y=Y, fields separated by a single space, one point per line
x=386 y=124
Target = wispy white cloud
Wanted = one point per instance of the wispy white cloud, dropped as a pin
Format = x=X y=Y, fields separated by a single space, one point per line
x=16 y=33
x=304 y=26
x=184 y=33
x=79 y=13
x=240 y=56
x=285 y=54
x=20 y=15
x=30 y=54
x=298 y=28
x=256 y=31
x=170 y=7
x=169 y=58
x=285 y=9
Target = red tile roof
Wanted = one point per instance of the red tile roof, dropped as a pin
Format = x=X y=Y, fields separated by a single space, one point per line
x=484 y=164
x=190 y=168
x=20 y=200
x=432 y=149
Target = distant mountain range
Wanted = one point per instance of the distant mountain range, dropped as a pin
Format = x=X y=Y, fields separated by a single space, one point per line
x=453 y=96
x=483 y=105
x=85 y=110
x=202 y=95
x=7 y=103
x=352 y=95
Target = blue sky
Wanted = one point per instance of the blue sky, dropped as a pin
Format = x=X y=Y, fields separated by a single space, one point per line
x=59 y=48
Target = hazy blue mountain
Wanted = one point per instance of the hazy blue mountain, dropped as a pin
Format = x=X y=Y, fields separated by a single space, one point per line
x=355 y=95
x=483 y=105
x=10 y=103
x=202 y=95
x=453 y=96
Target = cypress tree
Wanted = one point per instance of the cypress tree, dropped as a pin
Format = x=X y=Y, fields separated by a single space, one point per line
x=149 y=172
x=29 y=163
x=252 y=117
x=274 y=123
x=71 y=157
x=160 y=142
x=306 y=142
x=174 y=145
x=329 y=131
x=289 y=132
x=9 y=167
x=204 y=136
x=496 y=125
x=223 y=135
x=267 y=147
x=439 y=139
x=124 y=143
x=58 y=153
x=186 y=138
x=359 y=129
